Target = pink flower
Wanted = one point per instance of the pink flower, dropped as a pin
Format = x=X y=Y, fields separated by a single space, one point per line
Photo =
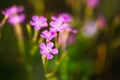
x=58 y=25
x=89 y=29
x=92 y=3
x=59 y=22
x=13 y=10
x=38 y=22
x=49 y=35
x=48 y=50
x=66 y=17
x=16 y=19
x=101 y=21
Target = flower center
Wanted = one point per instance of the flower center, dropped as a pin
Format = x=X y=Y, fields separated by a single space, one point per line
x=49 y=49
x=38 y=22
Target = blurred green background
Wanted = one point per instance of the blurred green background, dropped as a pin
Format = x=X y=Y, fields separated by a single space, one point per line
x=89 y=58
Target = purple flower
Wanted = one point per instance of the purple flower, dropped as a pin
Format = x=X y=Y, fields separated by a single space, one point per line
x=89 y=29
x=38 y=22
x=58 y=25
x=48 y=50
x=13 y=10
x=101 y=21
x=92 y=3
x=49 y=35
x=16 y=19
x=66 y=17
x=72 y=38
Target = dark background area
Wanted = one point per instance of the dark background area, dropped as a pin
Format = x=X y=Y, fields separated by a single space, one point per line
x=83 y=56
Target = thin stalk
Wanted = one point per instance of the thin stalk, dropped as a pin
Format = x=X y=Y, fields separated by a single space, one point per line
x=19 y=34
x=3 y=21
x=88 y=13
x=35 y=36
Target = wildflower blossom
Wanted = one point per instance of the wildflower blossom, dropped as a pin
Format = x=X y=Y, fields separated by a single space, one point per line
x=59 y=22
x=58 y=25
x=89 y=29
x=92 y=3
x=16 y=19
x=101 y=21
x=66 y=17
x=12 y=10
x=49 y=35
x=72 y=37
x=48 y=50
x=38 y=22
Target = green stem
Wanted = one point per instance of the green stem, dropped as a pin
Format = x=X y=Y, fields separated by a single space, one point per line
x=63 y=69
x=19 y=35
x=88 y=13
x=58 y=63
x=3 y=21
x=35 y=36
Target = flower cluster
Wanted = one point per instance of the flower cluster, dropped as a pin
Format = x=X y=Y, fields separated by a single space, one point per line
x=14 y=14
x=58 y=24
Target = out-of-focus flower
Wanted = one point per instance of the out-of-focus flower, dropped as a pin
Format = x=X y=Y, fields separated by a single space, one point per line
x=12 y=10
x=92 y=3
x=101 y=21
x=64 y=17
x=48 y=35
x=72 y=36
x=62 y=39
x=48 y=50
x=60 y=22
x=70 y=29
x=38 y=22
x=65 y=37
x=89 y=29
x=16 y=19
x=58 y=25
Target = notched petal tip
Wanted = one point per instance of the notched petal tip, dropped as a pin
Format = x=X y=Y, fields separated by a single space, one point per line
x=54 y=51
x=42 y=45
x=49 y=56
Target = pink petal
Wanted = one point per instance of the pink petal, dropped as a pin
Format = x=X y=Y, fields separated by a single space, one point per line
x=32 y=23
x=22 y=17
x=43 y=35
x=37 y=27
x=53 y=17
x=49 y=56
x=43 y=52
x=52 y=24
x=53 y=34
x=20 y=8
x=45 y=32
x=54 y=51
x=50 y=44
x=42 y=45
x=43 y=18
x=35 y=18
x=44 y=24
